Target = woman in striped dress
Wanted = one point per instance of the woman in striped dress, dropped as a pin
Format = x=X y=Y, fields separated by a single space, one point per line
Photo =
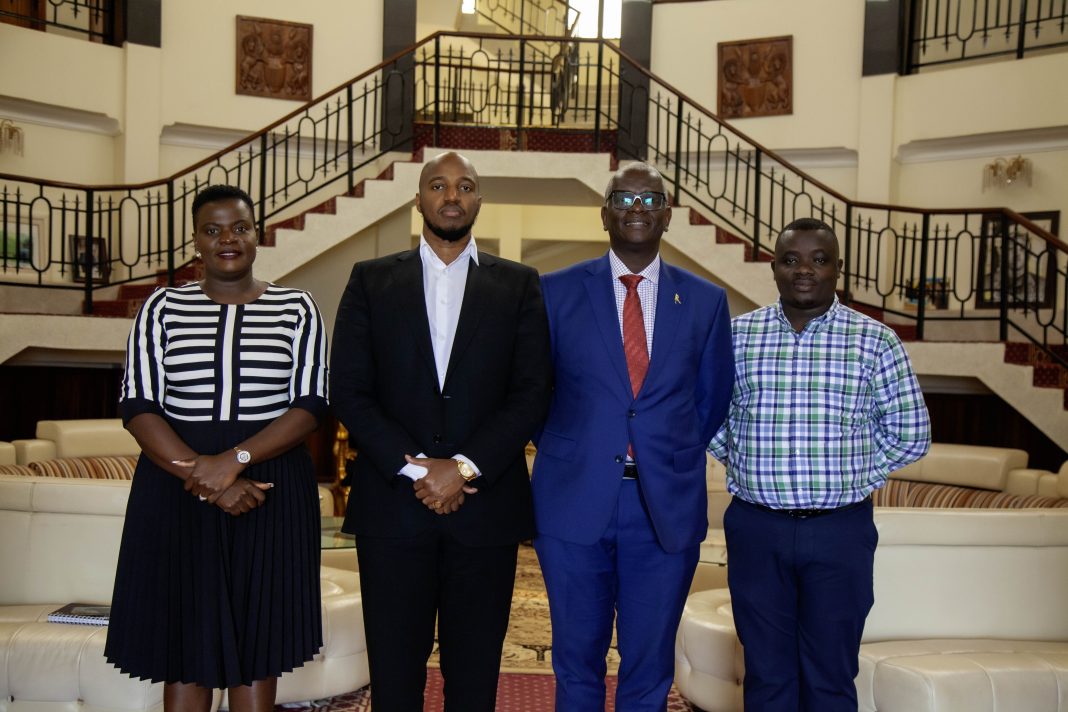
x=217 y=583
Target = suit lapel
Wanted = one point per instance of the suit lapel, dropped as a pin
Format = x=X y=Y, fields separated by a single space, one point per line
x=603 y=302
x=666 y=327
x=478 y=293
x=412 y=303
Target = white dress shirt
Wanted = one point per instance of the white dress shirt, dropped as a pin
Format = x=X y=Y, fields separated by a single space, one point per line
x=443 y=288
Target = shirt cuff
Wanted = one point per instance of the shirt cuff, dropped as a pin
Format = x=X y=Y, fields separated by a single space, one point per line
x=414 y=472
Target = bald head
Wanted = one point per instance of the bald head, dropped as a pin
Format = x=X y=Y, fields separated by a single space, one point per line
x=448 y=199
x=433 y=167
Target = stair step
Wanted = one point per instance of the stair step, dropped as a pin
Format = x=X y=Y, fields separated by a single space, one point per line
x=138 y=291
x=1048 y=375
x=905 y=332
x=874 y=312
x=115 y=308
x=190 y=272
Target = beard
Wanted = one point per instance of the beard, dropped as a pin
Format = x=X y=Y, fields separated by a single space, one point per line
x=448 y=235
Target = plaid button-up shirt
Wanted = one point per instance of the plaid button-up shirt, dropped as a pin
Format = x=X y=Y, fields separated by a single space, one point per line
x=818 y=419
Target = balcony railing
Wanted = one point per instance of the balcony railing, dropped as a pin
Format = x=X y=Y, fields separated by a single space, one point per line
x=96 y=20
x=944 y=31
x=530 y=17
x=919 y=265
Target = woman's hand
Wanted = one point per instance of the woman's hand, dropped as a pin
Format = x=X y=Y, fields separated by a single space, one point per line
x=242 y=496
x=211 y=475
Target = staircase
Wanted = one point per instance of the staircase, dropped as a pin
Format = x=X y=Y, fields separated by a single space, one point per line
x=738 y=196
x=1019 y=373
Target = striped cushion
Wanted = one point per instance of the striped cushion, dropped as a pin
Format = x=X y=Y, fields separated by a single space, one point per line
x=17 y=470
x=904 y=493
x=120 y=467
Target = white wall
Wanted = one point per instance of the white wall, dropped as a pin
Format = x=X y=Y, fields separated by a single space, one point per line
x=189 y=80
x=827 y=40
x=199 y=55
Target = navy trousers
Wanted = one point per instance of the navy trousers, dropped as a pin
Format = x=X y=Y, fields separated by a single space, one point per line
x=800 y=589
x=628 y=576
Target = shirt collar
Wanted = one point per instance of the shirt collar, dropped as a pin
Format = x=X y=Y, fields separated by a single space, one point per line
x=650 y=273
x=427 y=254
x=814 y=324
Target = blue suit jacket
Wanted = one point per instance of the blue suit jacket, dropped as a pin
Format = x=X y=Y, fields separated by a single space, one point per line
x=581 y=448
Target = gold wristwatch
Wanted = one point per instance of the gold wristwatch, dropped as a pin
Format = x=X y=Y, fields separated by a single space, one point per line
x=243 y=456
x=465 y=470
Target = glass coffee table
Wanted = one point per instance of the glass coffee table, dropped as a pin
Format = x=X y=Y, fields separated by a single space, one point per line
x=339 y=548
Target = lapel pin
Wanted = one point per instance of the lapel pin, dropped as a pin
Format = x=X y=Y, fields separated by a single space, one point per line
x=677 y=300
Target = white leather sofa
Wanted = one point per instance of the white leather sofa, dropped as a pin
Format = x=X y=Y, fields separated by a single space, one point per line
x=59 y=540
x=969 y=616
x=76 y=438
x=964 y=466
x=1042 y=483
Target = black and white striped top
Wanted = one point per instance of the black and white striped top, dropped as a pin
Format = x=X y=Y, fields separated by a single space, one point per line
x=194 y=359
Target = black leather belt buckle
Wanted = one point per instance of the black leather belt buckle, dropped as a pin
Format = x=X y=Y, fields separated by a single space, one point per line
x=630 y=471
x=809 y=513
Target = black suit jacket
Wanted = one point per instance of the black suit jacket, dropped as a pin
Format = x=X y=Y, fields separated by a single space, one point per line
x=384 y=388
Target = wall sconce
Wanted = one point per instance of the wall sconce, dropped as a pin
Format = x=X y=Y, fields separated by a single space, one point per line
x=1003 y=172
x=10 y=137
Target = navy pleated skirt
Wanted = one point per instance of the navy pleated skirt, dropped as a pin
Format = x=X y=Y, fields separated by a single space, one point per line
x=204 y=597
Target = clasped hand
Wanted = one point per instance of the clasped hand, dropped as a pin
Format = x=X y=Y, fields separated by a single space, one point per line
x=216 y=479
x=442 y=490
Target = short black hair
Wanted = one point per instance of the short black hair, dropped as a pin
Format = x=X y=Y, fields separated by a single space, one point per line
x=808 y=225
x=215 y=193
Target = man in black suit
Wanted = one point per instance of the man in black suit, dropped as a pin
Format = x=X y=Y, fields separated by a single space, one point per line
x=440 y=371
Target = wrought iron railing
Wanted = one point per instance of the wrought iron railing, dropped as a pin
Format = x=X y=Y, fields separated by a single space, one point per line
x=918 y=265
x=96 y=20
x=554 y=18
x=943 y=31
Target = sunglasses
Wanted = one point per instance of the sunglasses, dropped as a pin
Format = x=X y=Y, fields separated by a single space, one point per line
x=625 y=200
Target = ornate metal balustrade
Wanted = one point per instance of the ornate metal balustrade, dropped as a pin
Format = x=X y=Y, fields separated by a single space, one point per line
x=553 y=93
x=95 y=19
x=553 y=18
x=942 y=31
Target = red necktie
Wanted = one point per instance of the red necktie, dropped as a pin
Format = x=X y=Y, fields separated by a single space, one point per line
x=634 y=344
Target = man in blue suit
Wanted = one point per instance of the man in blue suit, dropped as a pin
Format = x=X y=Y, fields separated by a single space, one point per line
x=643 y=373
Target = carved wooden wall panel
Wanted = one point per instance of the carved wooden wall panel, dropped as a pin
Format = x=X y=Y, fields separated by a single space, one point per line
x=756 y=78
x=274 y=58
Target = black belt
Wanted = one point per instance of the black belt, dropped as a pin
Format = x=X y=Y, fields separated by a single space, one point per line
x=630 y=471
x=804 y=513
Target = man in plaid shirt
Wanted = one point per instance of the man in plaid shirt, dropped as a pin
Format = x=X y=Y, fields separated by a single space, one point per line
x=825 y=406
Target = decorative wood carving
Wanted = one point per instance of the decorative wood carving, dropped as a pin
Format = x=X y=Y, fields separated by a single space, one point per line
x=274 y=58
x=756 y=78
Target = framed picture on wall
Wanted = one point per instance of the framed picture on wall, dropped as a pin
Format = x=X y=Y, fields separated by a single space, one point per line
x=936 y=293
x=1030 y=263
x=20 y=245
x=101 y=266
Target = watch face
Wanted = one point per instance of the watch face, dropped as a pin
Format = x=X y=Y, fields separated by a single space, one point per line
x=244 y=457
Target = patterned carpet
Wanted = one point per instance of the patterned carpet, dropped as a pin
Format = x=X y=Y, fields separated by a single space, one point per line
x=528 y=644
x=517 y=692
x=526 y=682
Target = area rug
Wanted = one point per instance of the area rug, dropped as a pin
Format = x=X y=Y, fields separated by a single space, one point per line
x=528 y=644
x=516 y=692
